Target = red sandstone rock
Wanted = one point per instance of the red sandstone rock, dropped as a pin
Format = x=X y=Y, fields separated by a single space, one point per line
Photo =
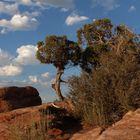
x=126 y=129
x=18 y=97
x=18 y=119
x=24 y=118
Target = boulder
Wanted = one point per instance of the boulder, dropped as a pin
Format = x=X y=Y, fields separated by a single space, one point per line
x=128 y=128
x=18 y=97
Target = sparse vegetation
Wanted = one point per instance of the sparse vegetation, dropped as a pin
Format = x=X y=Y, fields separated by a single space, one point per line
x=105 y=95
x=110 y=86
x=107 y=88
x=35 y=131
x=53 y=124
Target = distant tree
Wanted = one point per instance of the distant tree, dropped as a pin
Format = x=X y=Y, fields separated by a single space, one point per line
x=100 y=37
x=60 y=52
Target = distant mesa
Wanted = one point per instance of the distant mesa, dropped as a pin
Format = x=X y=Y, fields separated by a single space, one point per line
x=18 y=97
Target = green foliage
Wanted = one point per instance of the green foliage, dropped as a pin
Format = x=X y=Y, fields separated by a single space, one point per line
x=99 y=37
x=111 y=58
x=90 y=57
x=103 y=96
x=59 y=51
x=98 y=32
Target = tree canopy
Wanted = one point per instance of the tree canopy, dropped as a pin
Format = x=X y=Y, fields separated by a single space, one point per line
x=95 y=39
x=101 y=37
x=60 y=52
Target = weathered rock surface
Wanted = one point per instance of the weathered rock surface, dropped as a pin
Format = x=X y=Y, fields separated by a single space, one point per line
x=18 y=97
x=126 y=129
x=19 y=118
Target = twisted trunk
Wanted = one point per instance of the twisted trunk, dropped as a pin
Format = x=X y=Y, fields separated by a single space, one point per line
x=56 y=85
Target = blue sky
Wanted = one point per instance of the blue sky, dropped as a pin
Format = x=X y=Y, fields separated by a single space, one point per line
x=25 y=22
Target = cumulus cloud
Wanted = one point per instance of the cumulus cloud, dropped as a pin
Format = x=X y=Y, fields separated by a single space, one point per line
x=8 y=8
x=10 y=70
x=26 y=20
x=132 y=8
x=39 y=81
x=7 y=68
x=18 y=23
x=25 y=2
x=47 y=3
x=64 y=9
x=67 y=4
x=32 y=14
x=26 y=55
x=45 y=75
x=5 y=57
x=33 y=78
x=58 y=3
x=106 y=4
x=73 y=19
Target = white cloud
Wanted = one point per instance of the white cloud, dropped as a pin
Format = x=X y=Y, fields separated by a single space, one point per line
x=132 y=8
x=45 y=75
x=26 y=55
x=8 y=8
x=64 y=9
x=18 y=23
x=68 y=4
x=32 y=14
x=73 y=19
x=106 y=4
x=5 y=57
x=33 y=79
x=25 y=2
x=53 y=81
x=25 y=20
x=10 y=70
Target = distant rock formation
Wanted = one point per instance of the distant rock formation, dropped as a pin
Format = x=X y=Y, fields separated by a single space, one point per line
x=18 y=97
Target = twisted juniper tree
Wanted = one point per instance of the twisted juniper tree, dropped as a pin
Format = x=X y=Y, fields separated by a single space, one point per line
x=100 y=37
x=95 y=37
x=60 y=52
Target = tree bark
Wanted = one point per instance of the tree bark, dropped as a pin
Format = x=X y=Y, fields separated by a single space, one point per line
x=56 y=85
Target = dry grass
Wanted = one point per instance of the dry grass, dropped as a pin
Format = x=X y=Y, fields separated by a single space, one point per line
x=105 y=95
x=46 y=128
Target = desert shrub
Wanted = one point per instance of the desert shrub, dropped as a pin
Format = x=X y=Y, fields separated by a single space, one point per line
x=105 y=95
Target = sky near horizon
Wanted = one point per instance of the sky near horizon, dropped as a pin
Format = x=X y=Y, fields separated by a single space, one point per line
x=25 y=22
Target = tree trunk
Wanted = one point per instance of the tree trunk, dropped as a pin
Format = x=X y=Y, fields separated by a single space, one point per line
x=56 y=85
